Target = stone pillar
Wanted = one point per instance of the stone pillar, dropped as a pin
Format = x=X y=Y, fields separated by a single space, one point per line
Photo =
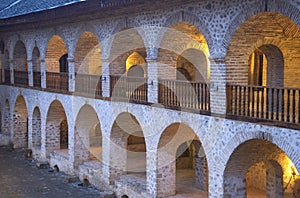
x=151 y=172
x=235 y=185
x=30 y=73
x=11 y=67
x=218 y=86
x=29 y=127
x=201 y=175
x=105 y=78
x=2 y=67
x=43 y=74
x=71 y=72
x=43 y=137
x=152 y=74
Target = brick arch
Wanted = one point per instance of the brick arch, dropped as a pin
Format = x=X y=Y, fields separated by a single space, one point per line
x=20 y=123
x=192 y=19
x=56 y=48
x=278 y=6
x=20 y=56
x=249 y=154
x=88 y=135
x=126 y=125
x=88 y=54
x=173 y=136
x=242 y=137
x=56 y=133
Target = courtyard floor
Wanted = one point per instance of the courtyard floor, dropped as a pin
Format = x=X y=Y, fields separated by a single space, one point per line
x=20 y=178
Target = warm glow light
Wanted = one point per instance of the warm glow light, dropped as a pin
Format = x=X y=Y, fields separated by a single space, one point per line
x=134 y=59
x=293 y=169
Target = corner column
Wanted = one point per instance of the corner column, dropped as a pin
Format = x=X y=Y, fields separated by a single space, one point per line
x=105 y=78
x=43 y=73
x=152 y=74
x=71 y=74
x=11 y=67
x=30 y=73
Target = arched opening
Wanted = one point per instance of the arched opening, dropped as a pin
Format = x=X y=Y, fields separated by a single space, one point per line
x=20 y=122
x=128 y=161
x=56 y=49
x=36 y=128
x=88 y=55
x=271 y=40
x=136 y=65
x=187 y=58
x=258 y=168
x=192 y=66
x=88 y=136
x=6 y=67
x=266 y=67
x=182 y=166
x=88 y=64
x=56 y=129
x=20 y=57
x=36 y=67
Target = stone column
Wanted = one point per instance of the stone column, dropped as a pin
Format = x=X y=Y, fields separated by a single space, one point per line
x=71 y=72
x=43 y=73
x=43 y=137
x=2 y=67
x=29 y=127
x=151 y=172
x=234 y=185
x=30 y=73
x=11 y=67
x=105 y=78
x=152 y=74
x=218 y=86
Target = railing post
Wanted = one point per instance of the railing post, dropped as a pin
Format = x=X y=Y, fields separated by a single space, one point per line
x=218 y=86
x=43 y=73
x=71 y=76
x=30 y=73
x=11 y=68
x=105 y=78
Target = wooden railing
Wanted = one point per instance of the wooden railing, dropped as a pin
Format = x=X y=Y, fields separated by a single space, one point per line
x=7 y=76
x=88 y=84
x=21 y=77
x=57 y=81
x=265 y=103
x=131 y=88
x=37 y=79
x=185 y=94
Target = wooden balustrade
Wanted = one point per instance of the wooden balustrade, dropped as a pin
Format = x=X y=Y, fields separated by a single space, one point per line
x=21 y=77
x=266 y=103
x=37 y=79
x=131 y=88
x=88 y=84
x=57 y=81
x=185 y=94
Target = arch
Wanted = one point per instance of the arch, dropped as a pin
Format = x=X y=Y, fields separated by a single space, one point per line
x=88 y=54
x=249 y=153
x=128 y=143
x=190 y=47
x=63 y=64
x=20 y=123
x=173 y=143
x=192 y=65
x=36 y=128
x=276 y=35
x=56 y=48
x=20 y=57
x=56 y=128
x=283 y=7
x=195 y=21
x=88 y=136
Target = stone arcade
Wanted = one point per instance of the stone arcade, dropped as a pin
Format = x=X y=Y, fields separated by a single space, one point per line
x=156 y=98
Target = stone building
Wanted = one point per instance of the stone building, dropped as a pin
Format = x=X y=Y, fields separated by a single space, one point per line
x=156 y=98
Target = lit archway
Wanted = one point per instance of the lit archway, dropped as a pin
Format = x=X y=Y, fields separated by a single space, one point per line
x=88 y=136
x=56 y=49
x=56 y=129
x=20 y=122
x=182 y=165
x=258 y=168
x=136 y=65
x=88 y=55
